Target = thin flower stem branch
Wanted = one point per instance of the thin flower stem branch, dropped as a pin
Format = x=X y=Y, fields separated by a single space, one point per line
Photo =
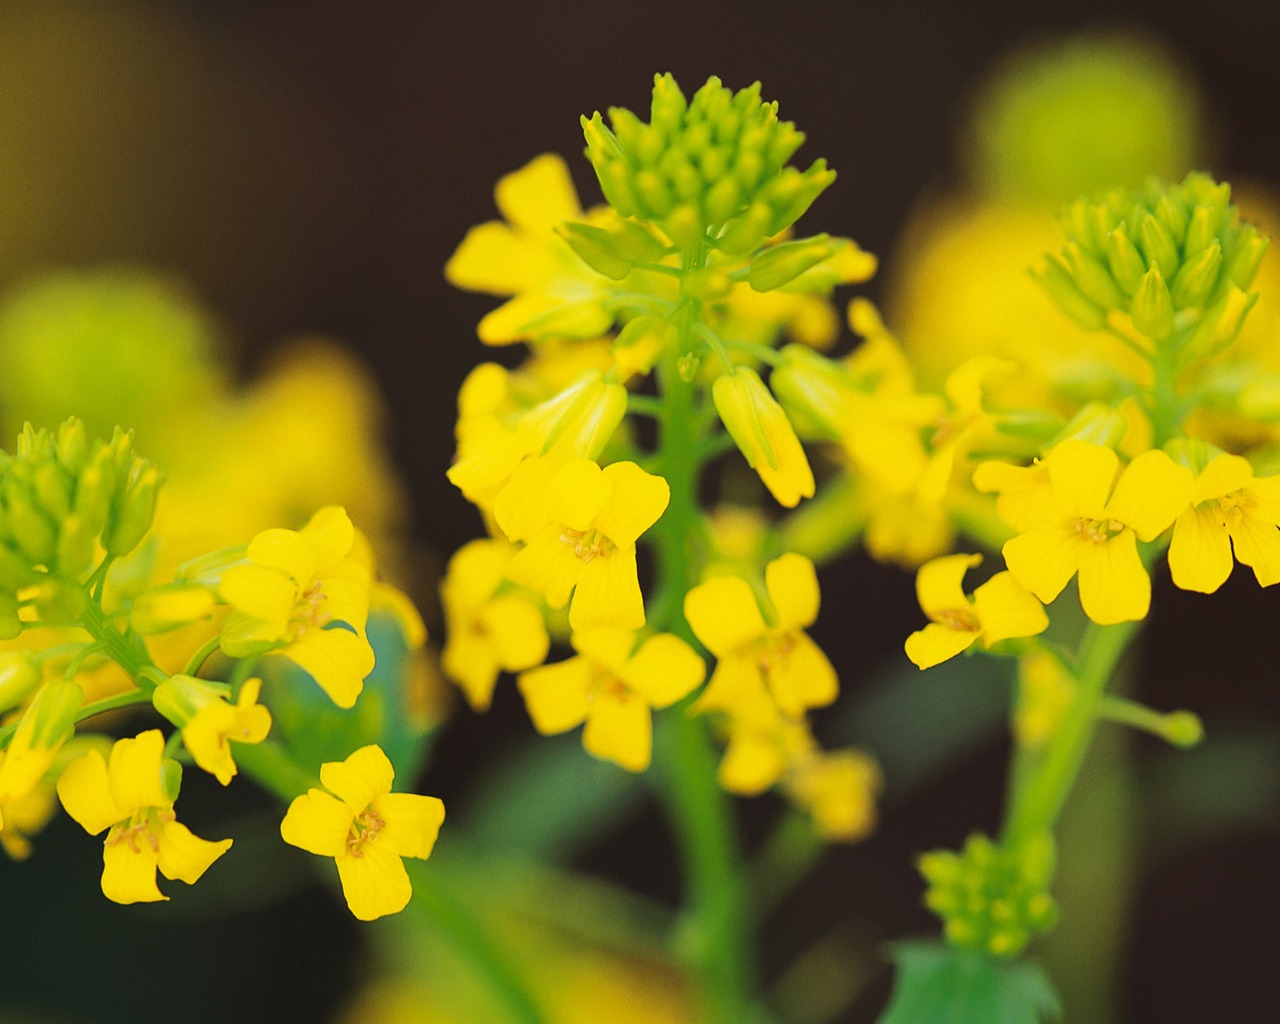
x=1043 y=789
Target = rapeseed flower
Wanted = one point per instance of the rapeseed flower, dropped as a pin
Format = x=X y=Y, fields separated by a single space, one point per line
x=488 y=629
x=132 y=794
x=1000 y=609
x=612 y=689
x=366 y=828
x=215 y=722
x=296 y=584
x=1230 y=509
x=1098 y=516
x=580 y=524
x=758 y=658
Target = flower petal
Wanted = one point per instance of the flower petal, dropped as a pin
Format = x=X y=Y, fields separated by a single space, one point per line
x=800 y=676
x=620 y=729
x=1257 y=545
x=539 y=196
x=723 y=614
x=184 y=856
x=548 y=565
x=1114 y=586
x=635 y=502
x=792 y=584
x=1082 y=475
x=86 y=794
x=129 y=874
x=330 y=536
x=318 y=823
x=411 y=823
x=374 y=883
x=936 y=643
x=134 y=771
x=556 y=696
x=939 y=584
x=364 y=775
x=1200 y=550
x=608 y=593
x=1006 y=610
x=1151 y=491
x=517 y=632
x=1044 y=559
x=285 y=552
x=337 y=659
x=664 y=670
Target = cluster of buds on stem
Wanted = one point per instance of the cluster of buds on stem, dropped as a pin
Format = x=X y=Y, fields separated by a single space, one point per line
x=62 y=502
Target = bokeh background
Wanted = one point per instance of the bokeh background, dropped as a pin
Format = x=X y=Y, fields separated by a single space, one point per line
x=307 y=168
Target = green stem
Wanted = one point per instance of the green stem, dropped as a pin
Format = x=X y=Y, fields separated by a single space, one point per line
x=1043 y=788
x=720 y=949
x=124 y=650
x=457 y=924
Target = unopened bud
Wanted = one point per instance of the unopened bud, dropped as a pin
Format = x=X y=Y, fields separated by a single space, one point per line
x=597 y=249
x=1152 y=306
x=47 y=724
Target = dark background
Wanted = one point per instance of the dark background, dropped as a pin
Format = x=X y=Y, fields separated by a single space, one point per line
x=309 y=167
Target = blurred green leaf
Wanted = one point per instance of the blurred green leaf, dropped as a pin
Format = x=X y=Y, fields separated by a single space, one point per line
x=546 y=801
x=942 y=985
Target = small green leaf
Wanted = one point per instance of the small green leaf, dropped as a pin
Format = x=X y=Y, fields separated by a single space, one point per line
x=942 y=985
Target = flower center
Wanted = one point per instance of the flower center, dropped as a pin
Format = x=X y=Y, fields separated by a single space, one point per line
x=962 y=620
x=365 y=827
x=774 y=651
x=1098 y=531
x=143 y=826
x=587 y=544
x=1231 y=507
x=308 y=610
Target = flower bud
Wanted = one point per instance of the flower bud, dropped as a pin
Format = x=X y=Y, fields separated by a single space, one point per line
x=180 y=697
x=1055 y=279
x=781 y=264
x=813 y=389
x=137 y=509
x=1124 y=259
x=589 y=420
x=1245 y=256
x=641 y=343
x=1197 y=277
x=45 y=725
x=1158 y=245
x=1152 y=306
x=763 y=434
x=170 y=606
x=1092 y=278
x=18 y=678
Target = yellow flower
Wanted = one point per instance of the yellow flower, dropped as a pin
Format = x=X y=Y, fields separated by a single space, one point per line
x=208 y=734
x=296 y=584
x=366 y=828
x=756 y=659
x=1229 y=509
x=132 y=795
x=487 y=630
x=47 y=723
x=1000 y=609
x=580 y=524
x=612 y=690
x=554 y=291
x=839 y=790
x=1096 y=522
x=763 y=434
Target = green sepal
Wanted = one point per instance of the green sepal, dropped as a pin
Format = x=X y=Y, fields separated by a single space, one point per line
x=937 y=984
x=782 y=264
x=597 y=248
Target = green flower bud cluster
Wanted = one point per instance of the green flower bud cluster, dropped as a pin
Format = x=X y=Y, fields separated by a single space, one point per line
x=990 y=898
x=60 y=496
x=707 y=170
x=1175 y=258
